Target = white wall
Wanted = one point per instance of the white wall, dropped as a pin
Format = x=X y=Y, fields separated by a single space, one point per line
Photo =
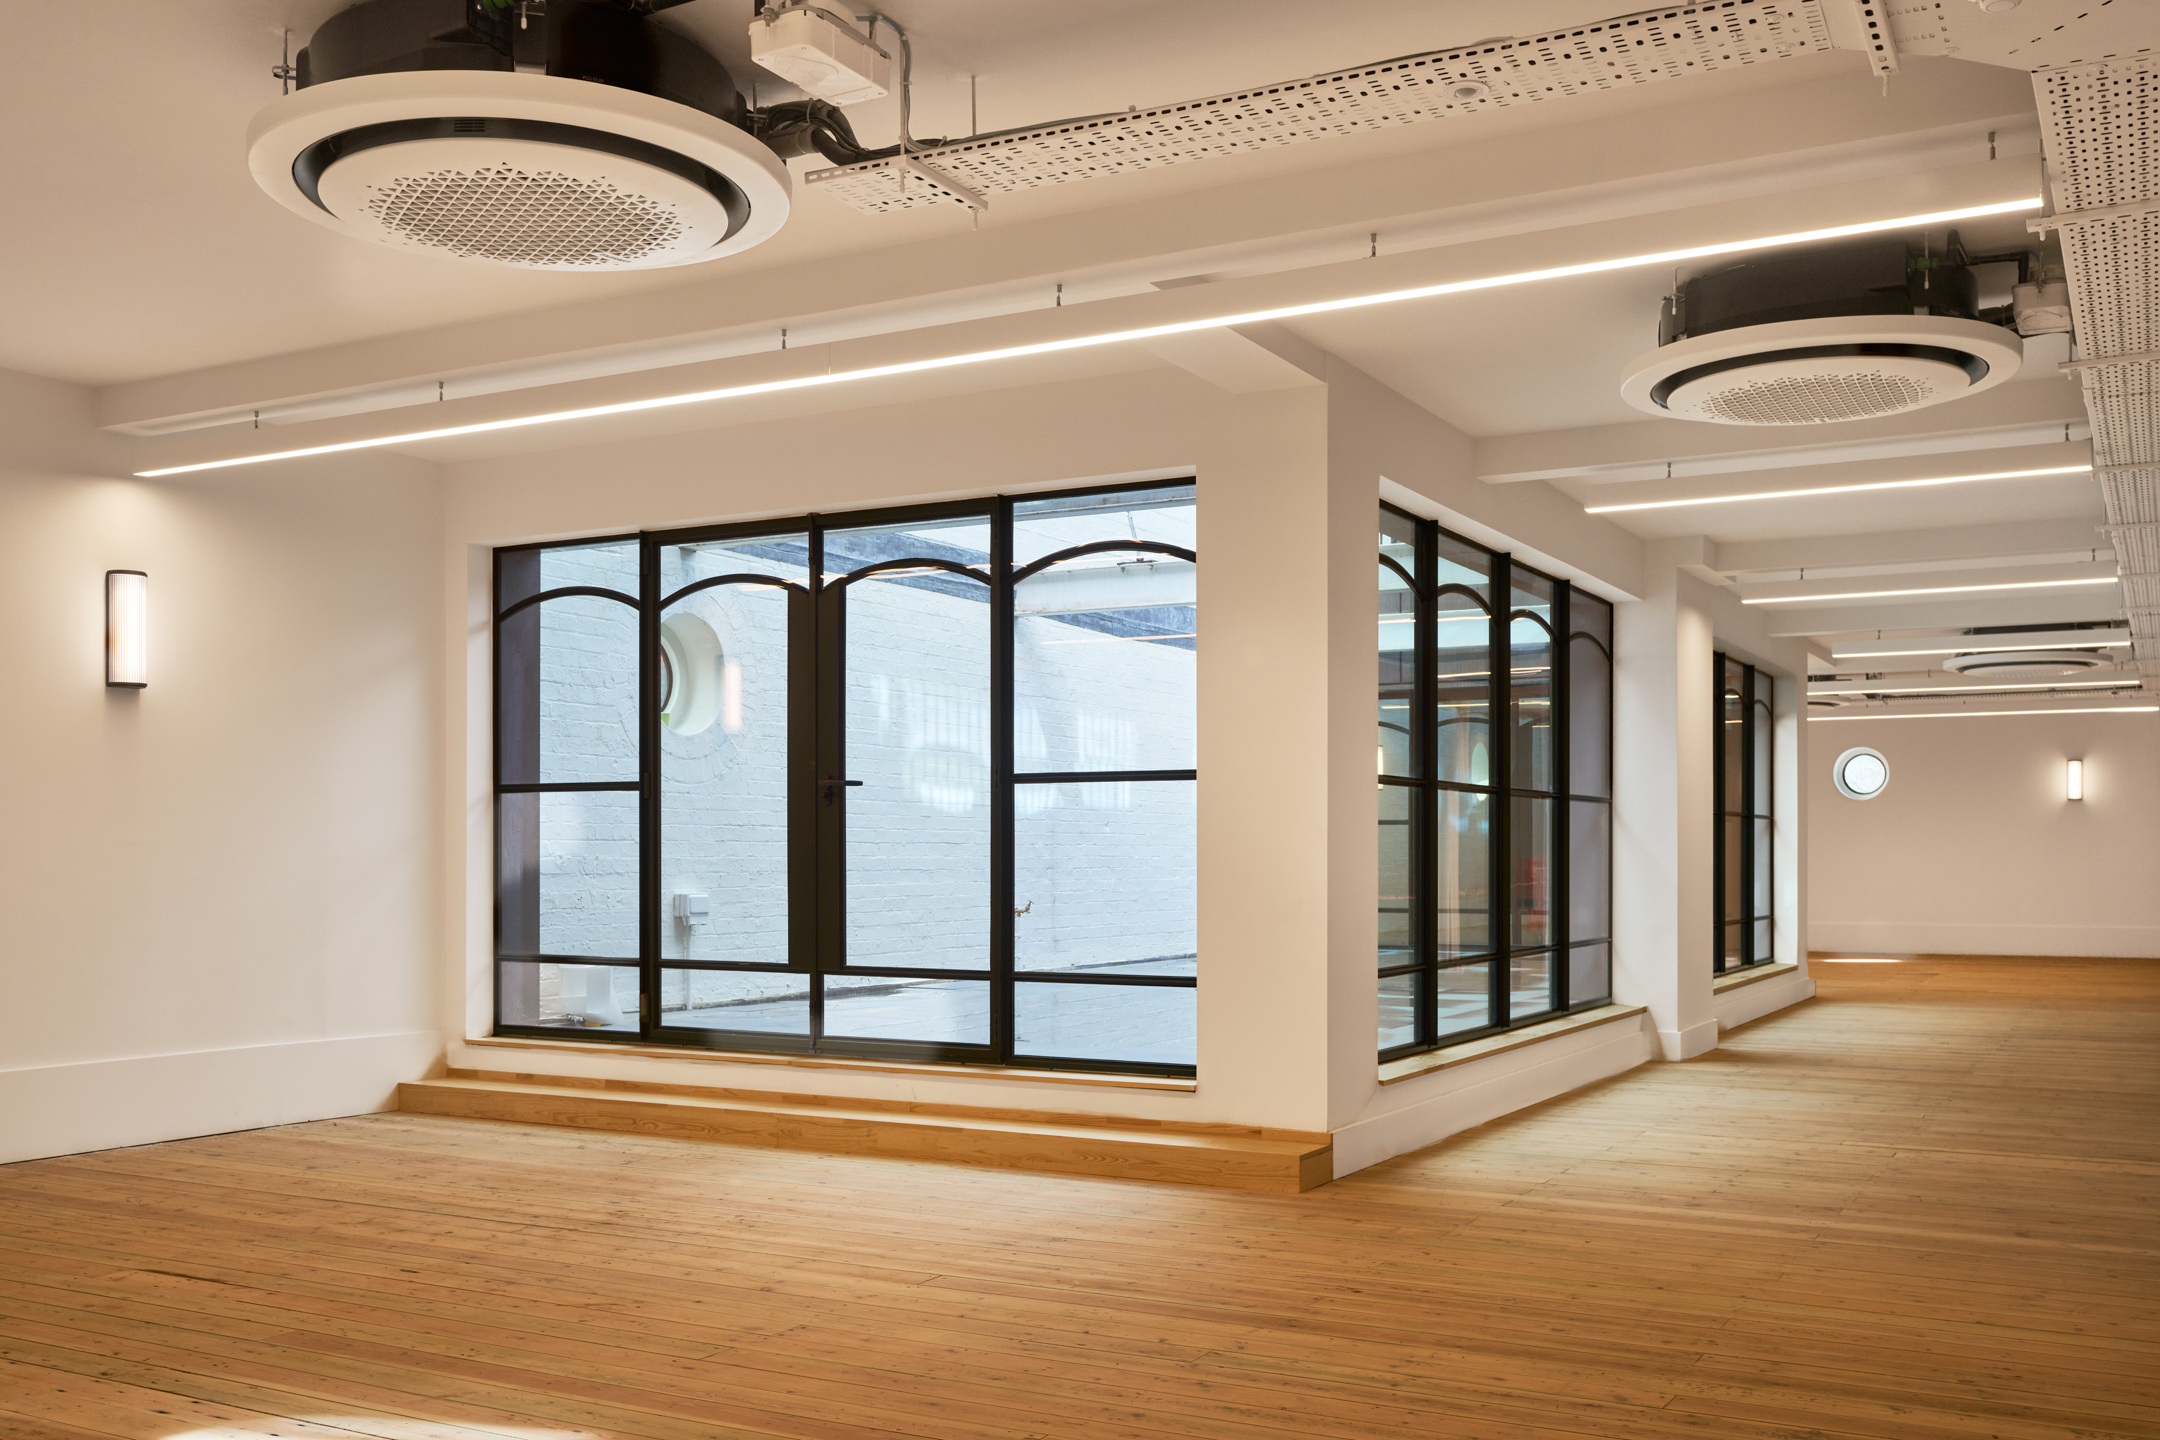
x=217 y=894
x=1972 y=849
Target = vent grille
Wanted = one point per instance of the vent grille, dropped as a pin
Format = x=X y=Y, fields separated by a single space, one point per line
x=517 y=216
x=1814 y=399
x=1610 y=55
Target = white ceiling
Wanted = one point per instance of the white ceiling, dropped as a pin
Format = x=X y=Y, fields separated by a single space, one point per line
x=152 y=254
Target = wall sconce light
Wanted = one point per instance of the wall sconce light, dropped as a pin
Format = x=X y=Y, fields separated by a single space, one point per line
x=2074 y=780
x=127 y=629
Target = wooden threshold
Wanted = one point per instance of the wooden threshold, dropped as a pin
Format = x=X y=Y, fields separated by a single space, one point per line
x=824 y=1062
x=1229 y=1157
x=1751 y=976
x=1410 y=1067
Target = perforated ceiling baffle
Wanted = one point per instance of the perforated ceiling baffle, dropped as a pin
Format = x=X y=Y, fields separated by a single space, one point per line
x=2100 y=129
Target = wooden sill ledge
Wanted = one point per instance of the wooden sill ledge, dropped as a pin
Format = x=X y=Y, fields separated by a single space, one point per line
x=1754 y=974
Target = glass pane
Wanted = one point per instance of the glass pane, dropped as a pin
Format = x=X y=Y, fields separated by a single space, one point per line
x=1463 y=908
x=1589 y=871
x=1104 y=654
x=1531 y=823
x=917 y=703
x=760 y=1002
x=1462 y=640
x=931 y=1012
x=1764 y=733
x=1530 y=980
x=1759 y=891
x=1398 y=645
x=1732 y=904
x=1464 y=998
x=567 y=677
x=724 y=754
x=1589 y=717
x=567 y=873
x=1530 y=689
x=1104 y=878
x=1589 y=975
x=1734 y=938
x=1765 y=942
x=570 y=997
x=1398 y=1010
x=1732 y=753
x=1398 y=882
x=1164 y=515
x=1141 y=1024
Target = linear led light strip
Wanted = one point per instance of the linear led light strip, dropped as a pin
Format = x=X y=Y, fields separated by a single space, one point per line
x=1978 y=649
x=1116 y=337
x=1931 y=590
x=2123 y=684
x=1840 y=489
x=1961 y=714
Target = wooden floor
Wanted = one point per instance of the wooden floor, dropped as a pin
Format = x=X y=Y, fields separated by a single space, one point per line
x=1922 y=1206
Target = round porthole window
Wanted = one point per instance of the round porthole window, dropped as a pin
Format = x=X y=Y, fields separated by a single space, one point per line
x=692 y=672
x=1861 y=773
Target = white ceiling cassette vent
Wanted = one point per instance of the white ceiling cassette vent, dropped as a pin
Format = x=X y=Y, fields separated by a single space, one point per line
x=2027 y=664
x=567 y=135
x=1849 y=331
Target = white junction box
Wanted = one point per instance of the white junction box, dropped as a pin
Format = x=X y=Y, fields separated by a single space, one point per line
x=810 y=50
x=692 y=908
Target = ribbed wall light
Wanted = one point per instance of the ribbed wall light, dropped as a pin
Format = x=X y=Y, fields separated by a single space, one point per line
x=2074 y=780
x=127 y=629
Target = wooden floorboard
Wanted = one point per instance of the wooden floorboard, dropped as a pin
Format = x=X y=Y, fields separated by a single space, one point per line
x=1921 y=1207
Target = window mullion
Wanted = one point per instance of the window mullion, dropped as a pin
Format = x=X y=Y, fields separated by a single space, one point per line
x=1002 y=831
x=648 y=746
x=1501 y=725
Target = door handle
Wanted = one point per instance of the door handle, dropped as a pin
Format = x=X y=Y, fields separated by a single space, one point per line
x=832 y=784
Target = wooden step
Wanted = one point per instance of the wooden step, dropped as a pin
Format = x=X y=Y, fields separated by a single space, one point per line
x=1275 y=1162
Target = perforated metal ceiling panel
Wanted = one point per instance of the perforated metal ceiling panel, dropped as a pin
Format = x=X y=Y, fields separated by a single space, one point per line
x=2100 y=125
x=1614 y=54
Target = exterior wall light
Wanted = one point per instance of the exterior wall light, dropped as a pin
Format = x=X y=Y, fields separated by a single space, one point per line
x=2074 y=780
x=127 y=629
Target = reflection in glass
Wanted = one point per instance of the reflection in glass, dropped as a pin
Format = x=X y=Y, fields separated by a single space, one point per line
x=1589 y=717
x=1106 y=891
x=1734 y=877
x=1463 y=908
x=1165 y=516
x=1530 y=872
x=1398 y=880
x=1104 y=651
x=928 y=1012
x=1759 y=896
x=568 y=678
x=758 y=1002
x=1399 y=636
x=1732 y=718
x=568 y=996
x=918 y=739
x=1464 y=998
x=1589 y=871
x=1765 y=943
x=1734 y=938
x=567 y=873
x=1589 y=975
x=1530 y=984
x=1530 y=693
x=1144 y=1024
x=1398 y=1010
x=1761 y=736
x=724 y=752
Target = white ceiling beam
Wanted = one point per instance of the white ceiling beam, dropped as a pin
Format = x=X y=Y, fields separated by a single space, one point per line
x=1553 y=178
x=2031 y=412
x=1845 y=651
x=2097 y=682
x=1789 y=594
x=1957 y=543
x=2027 y=607
x=1659 y=492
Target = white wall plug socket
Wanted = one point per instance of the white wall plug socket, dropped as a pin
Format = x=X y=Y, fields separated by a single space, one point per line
x=827 y=60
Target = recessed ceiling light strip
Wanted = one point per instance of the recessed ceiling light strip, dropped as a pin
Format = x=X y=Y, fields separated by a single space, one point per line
x=1841 y=489
x=1979 y=649
x=2127 y=682
x=1961 y=714
x=1931 y=590
x=1116 y=337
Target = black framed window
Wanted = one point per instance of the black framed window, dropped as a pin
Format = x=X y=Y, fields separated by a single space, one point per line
x=1494 y=767
x=1746 y=812
x=914 y=784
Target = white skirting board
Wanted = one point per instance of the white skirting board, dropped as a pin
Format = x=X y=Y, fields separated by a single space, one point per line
x=1751 y=1002
x=2140 y=942
x=103 y=1104
x=1428 y=1109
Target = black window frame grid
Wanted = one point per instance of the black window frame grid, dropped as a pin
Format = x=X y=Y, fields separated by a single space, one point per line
x=1751 y=872
x=816 y=864
x=1425 y=788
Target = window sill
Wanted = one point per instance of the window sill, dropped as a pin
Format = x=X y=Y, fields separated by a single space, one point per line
x=1751 y=975
x=1409 y=1068
x=820 y=1062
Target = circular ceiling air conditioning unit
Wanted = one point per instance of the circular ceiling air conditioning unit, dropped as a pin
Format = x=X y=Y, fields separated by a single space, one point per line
x=2026 y=664
x=1813 y=337
x=583 y=138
